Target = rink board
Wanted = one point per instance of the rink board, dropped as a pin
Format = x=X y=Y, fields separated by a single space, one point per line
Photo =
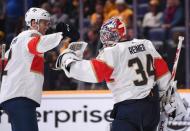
x=76 y=111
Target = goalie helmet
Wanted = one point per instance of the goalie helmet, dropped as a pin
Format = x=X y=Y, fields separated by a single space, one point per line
x=112 y=31
x=36 y=14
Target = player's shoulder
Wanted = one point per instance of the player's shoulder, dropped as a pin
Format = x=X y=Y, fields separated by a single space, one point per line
x=141 y=40
x=110 y=48
x=108 y=51
x=29 y=33
x=133 y=42
x=147 y=43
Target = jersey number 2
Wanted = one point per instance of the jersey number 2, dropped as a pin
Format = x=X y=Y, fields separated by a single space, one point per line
x=140 y=70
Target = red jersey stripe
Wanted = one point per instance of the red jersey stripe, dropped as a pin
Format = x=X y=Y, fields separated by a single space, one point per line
x=160 y=67
x=102 y=70
x=32 y=45
x=4 y=64
x=37 y=64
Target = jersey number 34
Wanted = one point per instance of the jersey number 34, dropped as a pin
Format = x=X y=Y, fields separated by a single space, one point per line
x=149 y=71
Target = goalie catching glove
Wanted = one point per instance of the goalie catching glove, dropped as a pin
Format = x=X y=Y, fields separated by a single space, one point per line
x=65 y=59
x=73 y=53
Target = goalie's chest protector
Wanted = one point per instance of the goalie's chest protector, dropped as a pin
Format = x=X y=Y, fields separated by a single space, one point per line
x=23 y=72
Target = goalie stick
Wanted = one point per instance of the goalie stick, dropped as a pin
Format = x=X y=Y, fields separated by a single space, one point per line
x=162 y=126
x=180 y=38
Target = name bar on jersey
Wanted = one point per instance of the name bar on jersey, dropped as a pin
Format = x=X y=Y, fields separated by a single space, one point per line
x=136 y=49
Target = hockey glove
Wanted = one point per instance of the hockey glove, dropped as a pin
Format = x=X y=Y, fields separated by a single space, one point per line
x=78 y=48
x=180 y=113
x=172 y=103
x=65 y=58
x=73 y=53
x=68 y=31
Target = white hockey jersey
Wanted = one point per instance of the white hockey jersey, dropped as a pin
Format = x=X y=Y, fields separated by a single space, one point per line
x=129 y=68
x=23 y=75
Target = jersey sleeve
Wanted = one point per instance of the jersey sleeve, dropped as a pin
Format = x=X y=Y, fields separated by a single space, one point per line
x=39 y=44
x=162 y=73
x=94 y=70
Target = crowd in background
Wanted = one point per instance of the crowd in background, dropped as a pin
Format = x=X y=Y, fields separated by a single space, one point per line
x=161 y=21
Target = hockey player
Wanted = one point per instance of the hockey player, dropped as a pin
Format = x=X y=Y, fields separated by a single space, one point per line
x=23 y=78
x=131 y=69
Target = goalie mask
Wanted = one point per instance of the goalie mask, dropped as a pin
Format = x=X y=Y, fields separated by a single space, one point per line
x=112 y=31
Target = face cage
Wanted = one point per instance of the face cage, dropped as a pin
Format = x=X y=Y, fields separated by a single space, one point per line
x=109 y=38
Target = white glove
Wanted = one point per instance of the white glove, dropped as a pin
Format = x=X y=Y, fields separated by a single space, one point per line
x=172 y=102
x=171 y=106
x=167 y=97
x=66 y=58
x=176 y=108
x=78 y=48
x=73 y=53
x=167 y=94
x=181 y=109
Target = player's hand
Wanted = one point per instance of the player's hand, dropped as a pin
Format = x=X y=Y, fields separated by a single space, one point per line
x=78 y=48
x=68 y=31
x=171 y=106
x=65 y=59
x=176 y=108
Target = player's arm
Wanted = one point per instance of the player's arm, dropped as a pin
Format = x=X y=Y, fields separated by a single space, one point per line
x=76 y=67
x=95 y=70
x=90 y=71
x=162 y=73
x=40 y=44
